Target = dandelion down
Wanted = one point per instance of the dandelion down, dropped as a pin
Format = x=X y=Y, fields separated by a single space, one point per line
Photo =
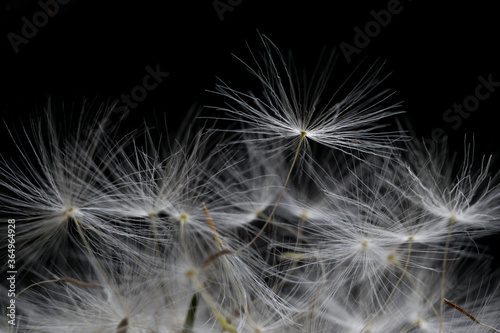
x=308 y=212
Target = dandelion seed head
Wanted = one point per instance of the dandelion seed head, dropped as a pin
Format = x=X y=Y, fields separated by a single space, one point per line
x=190 y=273
x=353 y=241
x=418 y=322
x=344 y=120
x=364 y=244
x=153 y=213
x=304 y=214
x=468 y=196
x=71 y=212
x=392 y=257
x=183 y=217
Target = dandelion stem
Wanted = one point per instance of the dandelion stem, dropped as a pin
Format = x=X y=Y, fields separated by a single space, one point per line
x=301 y=140
x=211 y=304
x=87 y=245
x=212 y=226
x=471 y=317
x=200 y=289
x=303 y=239
x=221 y=247
x=443 y=274
x=224 y=252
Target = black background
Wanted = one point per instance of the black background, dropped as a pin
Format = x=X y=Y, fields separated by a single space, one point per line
x=97 y=50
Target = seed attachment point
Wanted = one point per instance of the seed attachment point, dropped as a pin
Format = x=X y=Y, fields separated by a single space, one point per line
x=183 y=217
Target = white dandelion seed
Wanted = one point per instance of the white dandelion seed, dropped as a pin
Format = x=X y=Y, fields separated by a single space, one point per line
x=468 y=196
x=55 y=186
x=285 y=110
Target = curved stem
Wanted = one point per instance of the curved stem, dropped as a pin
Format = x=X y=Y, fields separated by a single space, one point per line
x=471 y=317
x=210 y=222
x=301 y=140
x=199 y=285
x=268 y=220
x=87 y=245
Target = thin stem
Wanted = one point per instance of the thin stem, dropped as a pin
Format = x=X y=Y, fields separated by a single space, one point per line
x=182 y=221
x=87 y=245
x=211 y=304
x=226 y=251
x=471 y=317
x=210 y=222
x=199 y=285
x=221 y=247
x=443 y=274
x=302 y=136
x=490 y=327
x=275 y=223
